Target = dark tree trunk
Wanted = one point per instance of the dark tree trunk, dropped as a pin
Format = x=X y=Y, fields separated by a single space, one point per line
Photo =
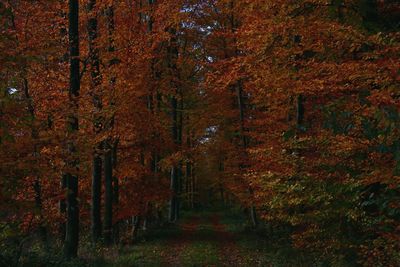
x=221 y=169
x=39 y=205
x=136 y=220
x=239 y=89
x=179 y=143
x=188 y=182
x=172 y=58
x=173 y=201
x=193 y=188
x=116 y=191
x=116 y=202
x=110 y=150
x=72 y=228
x=178 y=192
x=108 y=198
x=97 y=101
x=147 y=218
x=174 y=169
x=63 y=207
x=37 y=187
x=150 y=22
x=96 y=199
x=239 y=92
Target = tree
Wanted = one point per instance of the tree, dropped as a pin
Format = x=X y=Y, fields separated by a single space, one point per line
x=72 y=228
x=98 y=124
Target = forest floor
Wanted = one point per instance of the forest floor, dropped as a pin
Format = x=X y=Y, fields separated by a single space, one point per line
x=207 y=239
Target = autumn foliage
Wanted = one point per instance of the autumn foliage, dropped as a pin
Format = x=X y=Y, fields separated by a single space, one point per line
x=289 y=108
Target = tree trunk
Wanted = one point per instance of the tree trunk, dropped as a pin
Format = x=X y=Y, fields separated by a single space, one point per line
x=96 y=199
x=116 y=202
x=72 y=227
x=174 y=169
x=194 y=188
x=37 y=188
x=135 y=227
x=179 y=143
x=108 y=198
x=109 y=153
x=178 y=192
x=173 y=200
x=188 y=182
x=97 y=101
x=253 y=215
x=116 y=191
x=63 y=207
x=239 y=89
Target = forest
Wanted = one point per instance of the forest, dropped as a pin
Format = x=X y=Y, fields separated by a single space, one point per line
x=199 y=133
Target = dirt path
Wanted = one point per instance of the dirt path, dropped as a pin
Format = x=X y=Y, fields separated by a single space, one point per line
x=180 y=243
x=199 y=236
x=206 y=239
x=229 y=252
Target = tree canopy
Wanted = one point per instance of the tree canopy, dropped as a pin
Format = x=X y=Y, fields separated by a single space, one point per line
x=119 y=109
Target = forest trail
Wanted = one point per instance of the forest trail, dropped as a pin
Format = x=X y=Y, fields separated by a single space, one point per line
x=206 y=239
x=203 y=241
x=229 y=251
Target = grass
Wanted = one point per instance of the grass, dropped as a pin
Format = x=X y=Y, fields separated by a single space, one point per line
x=150 y=250
x=260 y=248
x=200 y=254
x=202 y=250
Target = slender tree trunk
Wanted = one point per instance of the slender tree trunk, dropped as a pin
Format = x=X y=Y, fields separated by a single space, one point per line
x=179 y=143
x=221 y=192
x=188 y=182
x=97 y=101
x=116 y=190
x=253 y=215
x=160 y=217
x=239 y=92
x=150 y=21
x=37 y=187
x=172 y=58
x=136 y=220
x=173 y=200
x=39 y=205
x=108 y=198
x=116 y=203
x=178 y=192
x=193 y=187
x=239 y=88
x=221 y=169
x=174 y=169
x=72 y=228
x=63 y=207
x=109 y=146
x=96 y=199
x=147 y=217
x=300 y=111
